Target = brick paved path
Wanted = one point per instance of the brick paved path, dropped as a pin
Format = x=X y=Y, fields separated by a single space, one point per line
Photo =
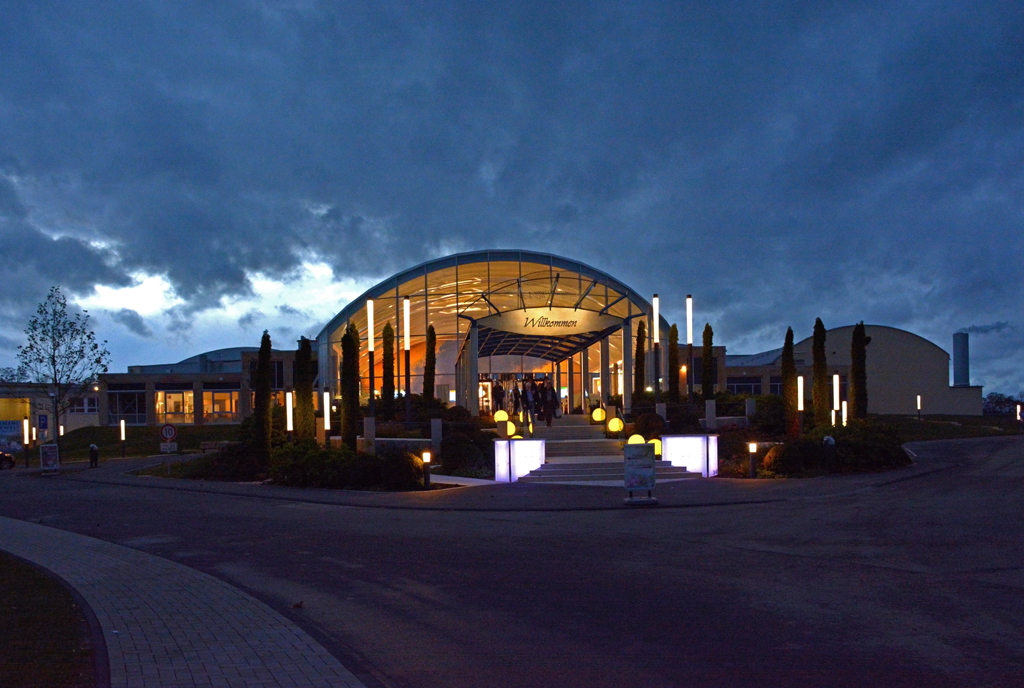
x=168 y=625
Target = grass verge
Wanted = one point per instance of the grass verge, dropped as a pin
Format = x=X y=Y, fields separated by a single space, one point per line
x=46 y=639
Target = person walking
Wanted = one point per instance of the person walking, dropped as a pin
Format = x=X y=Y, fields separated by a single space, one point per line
x=517 y=400
x=499 y=397
x=94 y=456
x=529 y=405
x=550 y=399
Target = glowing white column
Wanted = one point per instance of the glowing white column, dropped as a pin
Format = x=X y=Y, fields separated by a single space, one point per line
x=657 y=319
x=289 y=421
x=799 y=392
x=122 y=430
x=689 y=319
x=844 y=413
x=24 y=431
x=369 y=325
x=835 y=393
x=405 y=330
x=327 y=410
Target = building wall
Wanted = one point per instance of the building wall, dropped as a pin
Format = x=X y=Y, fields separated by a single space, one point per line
x=900 y=366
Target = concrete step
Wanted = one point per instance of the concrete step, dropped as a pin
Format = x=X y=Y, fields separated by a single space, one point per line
x=596 y=472
x=602 y=447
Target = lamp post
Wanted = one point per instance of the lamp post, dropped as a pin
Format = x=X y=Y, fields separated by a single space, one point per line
x=369 y=342
x=124 y=436
x=327 y=418
x=426 y=470
x=289 y=417
x=657 y=352
x=844 y=414
x=753 y=454
x=800 y=401
x=689 y=348
x=919 y=407
x=835 y=396
x=24 y=438
x=408 y=377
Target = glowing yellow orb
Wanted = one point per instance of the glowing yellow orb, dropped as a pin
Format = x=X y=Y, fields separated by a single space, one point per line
x=517 y=437
x=657 y=446
x=598 y=415
x=510 y=427
x=615 y=425
x=501 y=416
x=636 y=439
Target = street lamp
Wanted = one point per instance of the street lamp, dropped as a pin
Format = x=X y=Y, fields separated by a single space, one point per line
x=919 y=407
x=657 y=351
x=408 y=377
x=24 y=438
x=369 y=341
x=689 y=348
x=289 y=418
x=800 y=401
x=123 y=437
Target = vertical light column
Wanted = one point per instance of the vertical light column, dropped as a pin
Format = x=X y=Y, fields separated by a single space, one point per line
x=800 y=401
x=408 y=374
x=369 y=348
x=656 y=329
x=835 y=392
x=327 y=413
x=844 y=414
x=689 y=348
x=289 y=413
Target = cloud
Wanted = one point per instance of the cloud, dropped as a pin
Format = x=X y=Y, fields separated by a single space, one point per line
x=133 y=321
x=855 y=161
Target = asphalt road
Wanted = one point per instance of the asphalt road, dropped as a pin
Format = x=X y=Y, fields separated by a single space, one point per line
x=906 y=578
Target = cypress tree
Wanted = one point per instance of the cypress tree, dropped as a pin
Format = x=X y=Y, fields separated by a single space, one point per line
x=858 y=372
x=707 y=372
x=350 y=386
x=673 y=364
x=640 y=361
x=387 y=386
x=262 y=419
x=789 y=390
x=305 y=418
x=429 y=367
x=819 y=393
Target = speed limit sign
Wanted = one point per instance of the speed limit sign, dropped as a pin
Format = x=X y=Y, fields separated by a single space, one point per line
x=168 y=433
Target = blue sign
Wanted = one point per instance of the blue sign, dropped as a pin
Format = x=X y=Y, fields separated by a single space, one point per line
x=43 y=422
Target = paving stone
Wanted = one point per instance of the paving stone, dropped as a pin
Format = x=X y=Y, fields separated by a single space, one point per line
x=166 y=625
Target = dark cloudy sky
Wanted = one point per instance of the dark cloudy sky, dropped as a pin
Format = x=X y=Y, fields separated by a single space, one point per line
x=196 y=172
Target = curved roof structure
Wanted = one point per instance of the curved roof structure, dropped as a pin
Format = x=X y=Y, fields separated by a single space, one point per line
x=453 y=291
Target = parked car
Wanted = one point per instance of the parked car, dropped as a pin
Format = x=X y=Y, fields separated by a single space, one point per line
x=6 y=460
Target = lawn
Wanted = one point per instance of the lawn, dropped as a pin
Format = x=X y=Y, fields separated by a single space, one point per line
x=140 y=440
x=950 y=427
x=45 y=636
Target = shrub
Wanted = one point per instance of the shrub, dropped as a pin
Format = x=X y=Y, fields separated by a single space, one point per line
x=793 y=458
x=770 y=416
x=864 y=445
x=459 y=453
x=650 y=425
x=457 y=414
x=306 y=464
x=400 y=470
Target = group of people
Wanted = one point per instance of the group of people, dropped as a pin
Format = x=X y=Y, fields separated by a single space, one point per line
x=537 y=401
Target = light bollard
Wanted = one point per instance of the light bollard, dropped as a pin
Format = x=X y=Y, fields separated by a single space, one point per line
x=327 y=414
x=426 y=470
x=919 y=407
x=844 y=414
x=124 y=436
x=753 y=455
x=800 y=401
x=24 y=438
x=289 y=415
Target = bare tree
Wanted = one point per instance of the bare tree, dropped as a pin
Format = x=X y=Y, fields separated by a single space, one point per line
x=61 y=353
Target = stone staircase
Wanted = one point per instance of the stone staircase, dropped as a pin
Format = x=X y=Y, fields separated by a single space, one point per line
x=577 y=451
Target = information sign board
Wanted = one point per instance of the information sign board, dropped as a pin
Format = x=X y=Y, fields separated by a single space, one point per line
x=639 y=466
x=49 y=457
x=168 y=447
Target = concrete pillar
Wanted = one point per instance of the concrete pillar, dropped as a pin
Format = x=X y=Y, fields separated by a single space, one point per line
x=605 y=372
x=710 y=422
x=474 y=370
x=369 y=434
x=585 y=380
x=150 y=403
x=750 y=408
x=197 y=403
x=627 y=367
x=558 y=381
x=572 y=385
